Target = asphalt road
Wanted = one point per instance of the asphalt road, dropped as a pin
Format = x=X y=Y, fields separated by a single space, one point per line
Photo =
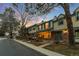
x=12 y=48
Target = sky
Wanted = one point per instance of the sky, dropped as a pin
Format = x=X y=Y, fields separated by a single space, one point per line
x=3 y=6
x=58 y=10
x=54 y=12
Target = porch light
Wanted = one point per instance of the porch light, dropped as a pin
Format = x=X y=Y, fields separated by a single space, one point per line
x=65 y=31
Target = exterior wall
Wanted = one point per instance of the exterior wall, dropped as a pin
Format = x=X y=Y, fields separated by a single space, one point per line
x=43 y=30
x=51 y=24
x=60 y=27
x=74 y=19
x=52 y=35
x=33 y=29
x=61 y=32
x=42 y=26
x=45 y=35
x=65 y=36
x=47 y=25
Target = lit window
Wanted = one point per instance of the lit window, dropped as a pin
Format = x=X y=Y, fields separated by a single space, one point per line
x=46 y=25
x=40 y=27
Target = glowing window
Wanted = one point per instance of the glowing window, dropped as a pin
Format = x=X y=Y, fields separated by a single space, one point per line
x=46 y=25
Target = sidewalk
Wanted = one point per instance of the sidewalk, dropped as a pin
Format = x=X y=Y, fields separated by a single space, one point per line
x=39 y=49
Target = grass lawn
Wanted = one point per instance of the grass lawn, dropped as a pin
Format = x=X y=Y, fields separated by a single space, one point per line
x=63 y=49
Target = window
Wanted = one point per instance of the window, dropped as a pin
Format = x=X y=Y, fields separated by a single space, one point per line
x=77 y=34
x=42 y=26
x=33 y=28
x=77 y=15
x=50 y=24
x=39 y=27
x=46 y=25
x=60 y=21
x=29 y=29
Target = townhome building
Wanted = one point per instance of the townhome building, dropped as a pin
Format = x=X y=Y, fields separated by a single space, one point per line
x=56 y=30
x=44 y=30
x=75 y=20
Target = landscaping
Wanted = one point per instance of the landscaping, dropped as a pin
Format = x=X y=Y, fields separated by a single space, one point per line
x=64 y=49
x=31 y=41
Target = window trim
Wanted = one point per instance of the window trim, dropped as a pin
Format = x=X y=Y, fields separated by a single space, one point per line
x=77 y=15
x=61 y=20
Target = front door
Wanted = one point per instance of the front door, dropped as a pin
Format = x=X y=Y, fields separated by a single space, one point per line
x=58 y=37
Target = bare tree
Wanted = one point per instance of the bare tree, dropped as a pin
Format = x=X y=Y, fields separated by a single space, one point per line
x=20 y=8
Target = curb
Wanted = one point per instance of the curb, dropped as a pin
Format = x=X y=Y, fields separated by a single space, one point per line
x=39 y=49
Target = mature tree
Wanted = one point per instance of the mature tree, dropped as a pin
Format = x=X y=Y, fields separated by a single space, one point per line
x=20 y=9
x=9 y=23
x=69 y=24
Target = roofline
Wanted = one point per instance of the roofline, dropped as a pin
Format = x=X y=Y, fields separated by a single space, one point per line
x=53 y=18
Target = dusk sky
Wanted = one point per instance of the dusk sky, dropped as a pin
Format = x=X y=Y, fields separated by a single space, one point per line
x=58 y=10
x=55 y=12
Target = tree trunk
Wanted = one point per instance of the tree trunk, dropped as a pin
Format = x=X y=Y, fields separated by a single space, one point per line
x=69 y=25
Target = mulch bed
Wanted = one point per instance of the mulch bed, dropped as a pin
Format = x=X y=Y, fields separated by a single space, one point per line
x=37 y=43
x=64 y=49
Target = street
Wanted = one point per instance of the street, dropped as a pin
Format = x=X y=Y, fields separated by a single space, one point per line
x=12 y=48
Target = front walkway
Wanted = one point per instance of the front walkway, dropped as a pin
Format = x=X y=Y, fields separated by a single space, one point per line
x=39 y=49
